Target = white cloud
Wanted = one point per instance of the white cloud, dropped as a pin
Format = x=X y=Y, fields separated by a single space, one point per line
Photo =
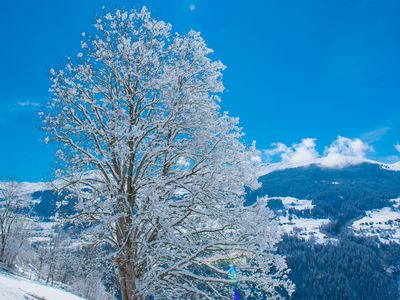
x=344 y=152
x=375 y=135
x=397 y=147
x=28 y=104
x=192 y=7
x=301 y=153
x=278 y=148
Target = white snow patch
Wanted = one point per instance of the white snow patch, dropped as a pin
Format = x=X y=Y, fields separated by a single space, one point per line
x=291 y=224
x=383 y=223
x=294 y=203
x=273 y=167
x=13 y=287
x=304 y=228
x=392 y=167
x=395 y=202
x=28 y=187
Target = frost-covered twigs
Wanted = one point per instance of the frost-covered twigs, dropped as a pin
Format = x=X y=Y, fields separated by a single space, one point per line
x=158 y=171
x=14 y=226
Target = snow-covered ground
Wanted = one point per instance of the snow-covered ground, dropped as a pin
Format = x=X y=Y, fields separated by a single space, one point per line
x=27 y=187
x=393 y=167
x=273 y=167
x=301 y=227
x=304 y=228
x=14 y=287
x=294 y=203
x=41 y=231
x=383 y=223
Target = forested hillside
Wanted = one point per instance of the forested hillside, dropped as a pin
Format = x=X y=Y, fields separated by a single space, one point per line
x=345 y=266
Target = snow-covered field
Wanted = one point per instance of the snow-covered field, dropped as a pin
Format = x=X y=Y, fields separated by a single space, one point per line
x=294 y=203
x=14 y=287
x=304 y=228
x=383 y=223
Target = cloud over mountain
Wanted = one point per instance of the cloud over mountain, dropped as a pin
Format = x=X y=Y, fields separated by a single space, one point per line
x=340 y=153
x=344 y=151
x=301 y=153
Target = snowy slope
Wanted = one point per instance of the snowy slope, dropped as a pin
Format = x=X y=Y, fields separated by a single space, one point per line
x=383 y=223
x=305 y=228
x=28 y=187
x=273 y=167
x=393 y=167
x=13 y=287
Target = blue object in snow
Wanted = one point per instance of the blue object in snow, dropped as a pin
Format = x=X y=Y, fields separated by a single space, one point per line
x=232 y=272
x=236 y=295
x=232 y=276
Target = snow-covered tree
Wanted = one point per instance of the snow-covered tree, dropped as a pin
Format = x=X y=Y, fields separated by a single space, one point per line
x=158 y=171
x=59 y=260
x=14 y=226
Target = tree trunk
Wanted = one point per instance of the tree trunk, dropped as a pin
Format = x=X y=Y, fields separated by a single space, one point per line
x=3 y=247
x=125 y=261
x=40 y=269
x=126 y=274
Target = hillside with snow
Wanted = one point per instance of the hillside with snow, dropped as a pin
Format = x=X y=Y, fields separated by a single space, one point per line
x=352 y=213
x=341 y=226
x=13 y=287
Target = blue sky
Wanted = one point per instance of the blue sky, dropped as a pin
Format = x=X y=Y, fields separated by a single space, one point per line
x=296 y=69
